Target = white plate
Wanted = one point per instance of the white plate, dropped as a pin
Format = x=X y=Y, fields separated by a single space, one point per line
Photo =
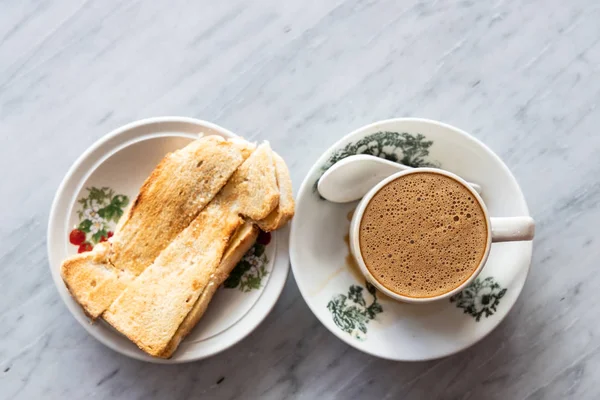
x=337 y=293
x=114 y=168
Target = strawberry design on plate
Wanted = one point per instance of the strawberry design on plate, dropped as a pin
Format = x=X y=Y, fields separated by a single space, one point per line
x=99 y=213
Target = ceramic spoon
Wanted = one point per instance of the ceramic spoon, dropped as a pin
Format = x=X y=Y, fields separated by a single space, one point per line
x=351 y=178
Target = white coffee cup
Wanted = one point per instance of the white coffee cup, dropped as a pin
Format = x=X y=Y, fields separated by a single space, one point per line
x=505 y=229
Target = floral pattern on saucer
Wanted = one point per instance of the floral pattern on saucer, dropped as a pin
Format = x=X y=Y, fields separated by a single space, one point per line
x=249 y=273
x=480 y=298
x=98 y=215
x=403 y=148
x=351 y=313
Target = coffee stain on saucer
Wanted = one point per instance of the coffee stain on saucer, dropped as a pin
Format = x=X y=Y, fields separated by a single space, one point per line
x=351 y=263
x=326 y=281
x=350 y=214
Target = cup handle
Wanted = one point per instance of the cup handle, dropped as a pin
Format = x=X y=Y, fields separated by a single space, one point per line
x=512 y=229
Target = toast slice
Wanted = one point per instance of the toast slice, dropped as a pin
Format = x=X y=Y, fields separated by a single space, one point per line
x=151 y=309
x=252 y=190
x=180 y=186
x=196 y=173
x=251 y=183
x=241 y=242
x=154 y=306
x=93 y=281
x=285 y=209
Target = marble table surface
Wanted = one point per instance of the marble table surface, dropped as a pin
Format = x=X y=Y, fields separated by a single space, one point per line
x=522 y=76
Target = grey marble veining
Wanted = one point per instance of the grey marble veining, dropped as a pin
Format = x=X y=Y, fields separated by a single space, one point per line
x=523 y=76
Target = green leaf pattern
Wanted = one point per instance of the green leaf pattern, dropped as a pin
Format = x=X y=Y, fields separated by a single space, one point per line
x=404 y=148
x=249 y=273
x=99 y=211
x=480 y=298
x=351 y=312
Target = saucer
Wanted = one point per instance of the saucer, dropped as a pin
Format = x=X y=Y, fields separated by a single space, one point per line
x=351 y=308
x=94 y=194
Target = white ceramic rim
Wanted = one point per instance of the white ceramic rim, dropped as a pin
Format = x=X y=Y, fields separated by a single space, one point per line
x=295 y=254
x=242 y=328
x=355 y=243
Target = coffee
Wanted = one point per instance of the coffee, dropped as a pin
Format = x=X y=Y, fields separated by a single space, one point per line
x=423 y=235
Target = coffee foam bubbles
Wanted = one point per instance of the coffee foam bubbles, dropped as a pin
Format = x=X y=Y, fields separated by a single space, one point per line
x=423 y=234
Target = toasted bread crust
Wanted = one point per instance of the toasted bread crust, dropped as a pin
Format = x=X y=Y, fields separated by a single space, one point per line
x=180 y=186
x=252 y=190
x=285 y=209
x=93 y=281
x=152 y=307
x=240 y=243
